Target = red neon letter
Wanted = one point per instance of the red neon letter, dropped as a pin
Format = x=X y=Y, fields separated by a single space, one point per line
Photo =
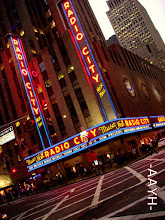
x=93 y=132
x=66 y=5
x=19 y=56
x=75 y=141
x=15 y=42
x=24 y=72
x=36 y=110
x=92 y=68
x=79 y=36
x=89 y=60
x=76 y=28
x=61 y=147
x=73 y=21
x=52 y=152
x=34 y=73
x=46 y=154
x=66 y=145
x=31 y=94
x=57 y=149
x=28 y=85
x=22 y=64
x=85 y=51
x=18 y=50
x=96 y=78
x=70 y=13
x=33 y=101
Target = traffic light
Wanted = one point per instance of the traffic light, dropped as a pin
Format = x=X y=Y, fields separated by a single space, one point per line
x=13 y=170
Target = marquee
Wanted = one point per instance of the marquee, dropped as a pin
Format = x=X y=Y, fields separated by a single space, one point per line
x=96 y=135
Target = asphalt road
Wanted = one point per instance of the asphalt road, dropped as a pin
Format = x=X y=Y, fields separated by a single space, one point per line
x=120 y=194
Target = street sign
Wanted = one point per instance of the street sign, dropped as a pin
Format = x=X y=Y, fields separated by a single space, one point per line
x=7 y=135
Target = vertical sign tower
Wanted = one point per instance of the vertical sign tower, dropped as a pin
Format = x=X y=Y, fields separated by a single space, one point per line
x=24 y=75
x=88 y=61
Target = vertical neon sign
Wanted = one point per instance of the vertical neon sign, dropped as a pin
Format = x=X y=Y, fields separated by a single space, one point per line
x=22 y=69
x=91 y=67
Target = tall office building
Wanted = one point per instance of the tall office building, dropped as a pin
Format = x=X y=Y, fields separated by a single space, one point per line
x=134 y=28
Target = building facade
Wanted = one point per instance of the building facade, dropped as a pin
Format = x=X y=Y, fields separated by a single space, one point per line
x=65 y=80
x=133 y=28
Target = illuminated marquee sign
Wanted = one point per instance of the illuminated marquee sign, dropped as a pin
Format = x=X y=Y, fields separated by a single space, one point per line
x=22 y=69
x=86 y=56
x=96 y=135
x=158 y=121
x=7 y=135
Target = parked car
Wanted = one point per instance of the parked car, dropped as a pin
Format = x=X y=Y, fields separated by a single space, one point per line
x=161 y=142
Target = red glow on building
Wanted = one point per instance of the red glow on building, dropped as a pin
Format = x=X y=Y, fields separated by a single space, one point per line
x=79 y=37
x=25 y=73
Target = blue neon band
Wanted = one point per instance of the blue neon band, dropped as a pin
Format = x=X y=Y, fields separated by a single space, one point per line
x=72 y=137
x=98 y=142
x=45 y=128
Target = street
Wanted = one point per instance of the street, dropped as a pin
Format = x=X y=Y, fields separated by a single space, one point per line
x=120 y=194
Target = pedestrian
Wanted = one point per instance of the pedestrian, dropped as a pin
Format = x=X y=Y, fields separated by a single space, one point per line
x=109 y=162
x=7 y=196
x=101 y=166
x=27 y=190
x=154 y=145
x=134 y=152
x=85 y=171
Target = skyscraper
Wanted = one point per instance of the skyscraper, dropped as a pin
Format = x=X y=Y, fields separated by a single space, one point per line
x=133 y=28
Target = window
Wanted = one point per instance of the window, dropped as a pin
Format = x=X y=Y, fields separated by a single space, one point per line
x=59 y=120
x=19 y=158
x=41 y=64
x=33 y=139
x=10 y=153
x=19 y=129
x=82 y=103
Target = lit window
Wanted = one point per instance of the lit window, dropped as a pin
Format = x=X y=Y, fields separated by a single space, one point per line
x=19 y=158
x=52 y=24
x=10 y=60
x=39 y=89
x=70 y=69
x=34 y=51
x=41 y=32
x=22 y=32
x=60 y=75
x=28 y=117
x=35 y=29
x=48 y=83
x=2 y=67
x=48 y=13
x=17 y=124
